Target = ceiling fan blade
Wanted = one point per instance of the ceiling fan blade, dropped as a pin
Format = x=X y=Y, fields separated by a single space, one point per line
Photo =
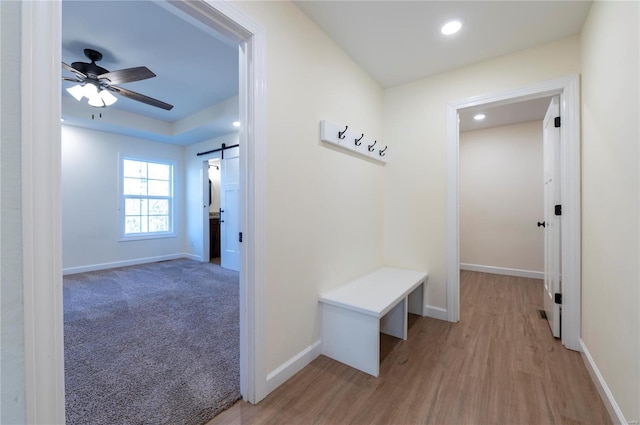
x=140 y=97
x=74 y=80
x=74 y=71
x=127 y=75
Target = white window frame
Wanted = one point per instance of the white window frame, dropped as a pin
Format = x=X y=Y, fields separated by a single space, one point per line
x=121 y=207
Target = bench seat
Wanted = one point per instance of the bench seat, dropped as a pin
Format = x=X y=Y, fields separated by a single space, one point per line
x=353 y=315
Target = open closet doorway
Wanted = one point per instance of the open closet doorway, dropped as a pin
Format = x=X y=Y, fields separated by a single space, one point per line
x=221 y=195
x=567 y=89
x=509 y=180
x=501 y=189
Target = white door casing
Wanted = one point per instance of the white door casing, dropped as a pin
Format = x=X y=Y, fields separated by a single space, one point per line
x=229 y=203
x=551 y=175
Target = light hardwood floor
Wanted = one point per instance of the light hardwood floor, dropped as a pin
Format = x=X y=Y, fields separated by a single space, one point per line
x=498 y=365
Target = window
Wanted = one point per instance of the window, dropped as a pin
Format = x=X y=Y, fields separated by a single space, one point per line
x=147 y=198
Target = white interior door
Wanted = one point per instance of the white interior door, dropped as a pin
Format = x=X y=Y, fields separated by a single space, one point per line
x=229 y=198
x=552 y=258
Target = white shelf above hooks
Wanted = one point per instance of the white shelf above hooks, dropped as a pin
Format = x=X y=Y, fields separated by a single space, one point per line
x=354 y=141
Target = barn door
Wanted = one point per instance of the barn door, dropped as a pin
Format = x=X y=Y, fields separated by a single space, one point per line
x=229 y=200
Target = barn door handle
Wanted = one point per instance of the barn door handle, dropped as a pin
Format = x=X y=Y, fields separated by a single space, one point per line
x=541 y=224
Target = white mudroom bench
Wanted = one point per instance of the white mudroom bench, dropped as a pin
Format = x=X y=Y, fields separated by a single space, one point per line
x=354 y=314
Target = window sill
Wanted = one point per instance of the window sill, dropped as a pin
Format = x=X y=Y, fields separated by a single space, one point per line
x=142 y=237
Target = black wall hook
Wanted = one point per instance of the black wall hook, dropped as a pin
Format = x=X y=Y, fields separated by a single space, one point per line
x=341 y=133
x=370 y=147
x=357 y=141
x=381 y=151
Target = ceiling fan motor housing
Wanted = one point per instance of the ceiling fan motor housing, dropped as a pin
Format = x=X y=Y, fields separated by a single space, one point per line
x=90 y=69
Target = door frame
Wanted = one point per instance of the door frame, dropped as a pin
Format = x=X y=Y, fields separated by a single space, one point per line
x=569 y=91
x=40 y=109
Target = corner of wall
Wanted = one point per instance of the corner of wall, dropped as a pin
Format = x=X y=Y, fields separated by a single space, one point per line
x=603 y=389
x=293 y=366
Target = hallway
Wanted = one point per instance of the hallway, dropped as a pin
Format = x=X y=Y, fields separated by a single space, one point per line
x=498 y=365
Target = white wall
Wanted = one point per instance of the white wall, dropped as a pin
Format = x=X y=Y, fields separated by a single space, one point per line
x=611 y=211
x=12 y=399
x=324 y=207
x=415 y=120
x=194 y=191
x=501 y=197
x=90 y=200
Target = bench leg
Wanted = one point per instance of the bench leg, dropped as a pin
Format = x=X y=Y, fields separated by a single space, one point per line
x=416 y=300
x=351 y=338
x=394 y=323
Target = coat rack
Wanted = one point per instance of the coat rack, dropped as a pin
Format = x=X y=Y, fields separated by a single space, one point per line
x=354 y=141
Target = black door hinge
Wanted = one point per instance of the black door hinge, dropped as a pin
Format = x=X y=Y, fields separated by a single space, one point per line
x=558 y=298
x=558 y=210
x=240 y=237
x=556 y=122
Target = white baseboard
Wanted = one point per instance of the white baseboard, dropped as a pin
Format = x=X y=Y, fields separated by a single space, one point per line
x=502 y=270
x=436 y=312
x=293 y=366
x=605 y=393
x=113 y=265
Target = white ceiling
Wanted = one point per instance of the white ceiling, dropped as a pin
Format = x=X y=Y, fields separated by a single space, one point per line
x=197 y=70
x=397 y=42
x=400 y=41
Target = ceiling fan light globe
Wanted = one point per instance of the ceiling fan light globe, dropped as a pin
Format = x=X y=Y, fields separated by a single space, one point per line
x=76 y=91
x=107 y=97
x=90 y=90
x=96 y=101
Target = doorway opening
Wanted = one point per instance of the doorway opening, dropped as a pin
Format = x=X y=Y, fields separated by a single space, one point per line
x=44 y=356
x=508 y=188
x=568 y=91
x=221 y=235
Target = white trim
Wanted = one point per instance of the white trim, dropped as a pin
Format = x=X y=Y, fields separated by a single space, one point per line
x=571 y=232
x=125 y=263
x=502 y=270
x=453 y=216
x=603 y=389
x=436 y=312
x=568 y=89
x=232 y=23
x=293 y=365
x=41 y=212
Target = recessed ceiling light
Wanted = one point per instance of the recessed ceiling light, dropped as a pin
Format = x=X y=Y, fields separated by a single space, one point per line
x=236 y=123
x=451 y=27
x=479 y=117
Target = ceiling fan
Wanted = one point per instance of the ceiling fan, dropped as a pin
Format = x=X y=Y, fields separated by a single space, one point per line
x=97 y=83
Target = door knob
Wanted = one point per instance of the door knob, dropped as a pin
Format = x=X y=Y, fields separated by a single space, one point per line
x=541 y=224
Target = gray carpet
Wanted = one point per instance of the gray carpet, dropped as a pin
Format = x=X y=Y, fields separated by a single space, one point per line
x=151 y=344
